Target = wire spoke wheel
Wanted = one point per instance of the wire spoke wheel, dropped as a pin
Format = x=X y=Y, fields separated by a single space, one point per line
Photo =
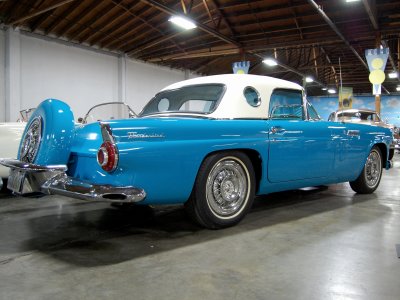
x=224 y=190
x=227 y=187
x=368 y=181
x=373 y=169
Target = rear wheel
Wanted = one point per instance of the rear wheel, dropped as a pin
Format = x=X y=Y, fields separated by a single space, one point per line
x=370 y=176
x=224 y=190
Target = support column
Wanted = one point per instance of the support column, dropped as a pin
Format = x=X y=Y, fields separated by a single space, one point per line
x=122 y=78
x=12 y=74
x=378 y=97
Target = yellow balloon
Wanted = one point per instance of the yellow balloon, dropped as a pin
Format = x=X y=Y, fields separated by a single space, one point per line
x=377 y=63
x=377 y=77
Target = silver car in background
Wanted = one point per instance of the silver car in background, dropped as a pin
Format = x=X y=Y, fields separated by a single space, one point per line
x=369 y=117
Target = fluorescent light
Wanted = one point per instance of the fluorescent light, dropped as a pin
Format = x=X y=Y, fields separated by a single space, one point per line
x=270 y=62
x=352 y=1
x=182 y=22
x=398 y=89
x=324 y=88
x=393 y=75
x=309 y=79
x=331 y=91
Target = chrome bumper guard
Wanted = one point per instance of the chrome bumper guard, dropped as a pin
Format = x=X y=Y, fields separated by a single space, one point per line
x=28 y=178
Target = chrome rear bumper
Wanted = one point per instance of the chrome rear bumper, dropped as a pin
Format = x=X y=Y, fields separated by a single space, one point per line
x=28 y=178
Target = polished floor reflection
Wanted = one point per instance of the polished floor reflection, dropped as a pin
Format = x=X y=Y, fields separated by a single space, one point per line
x=317 y=243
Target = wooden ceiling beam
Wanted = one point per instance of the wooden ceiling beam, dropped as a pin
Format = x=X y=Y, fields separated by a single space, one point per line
x=87 y=25
x=222 y=18
x=39 y=12
x=196 y=54
x=146 y=22
x=99 y=36
x=40 y=20
x=61 y=17
x=155 y=42
x=209 y=13
x=71 y=23
x=202 y=27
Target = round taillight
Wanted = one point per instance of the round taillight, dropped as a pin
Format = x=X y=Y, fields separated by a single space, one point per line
x=107 y=156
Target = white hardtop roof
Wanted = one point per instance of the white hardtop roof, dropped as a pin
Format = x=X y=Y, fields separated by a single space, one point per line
x=238 y=79
x=233 y=104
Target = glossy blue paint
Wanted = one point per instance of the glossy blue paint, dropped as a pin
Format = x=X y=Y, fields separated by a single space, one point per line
x=57 y=132
x=165 y=154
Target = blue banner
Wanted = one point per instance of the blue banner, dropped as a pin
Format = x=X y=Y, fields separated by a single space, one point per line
x=241 y=67
x=377 y=59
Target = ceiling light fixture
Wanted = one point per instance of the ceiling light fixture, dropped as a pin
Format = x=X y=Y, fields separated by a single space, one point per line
x=393 y=75
x=398 y=89
x=270 y=62
x=352 y=1
x=331 y=91
x=309 y=79
x=182 y=22
x=324 y=88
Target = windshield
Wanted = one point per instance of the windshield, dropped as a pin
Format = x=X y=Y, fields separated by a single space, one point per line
x=108 y=111
x=199 y=99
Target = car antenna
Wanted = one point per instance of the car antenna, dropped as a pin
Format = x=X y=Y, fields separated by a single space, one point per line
x=341 y=90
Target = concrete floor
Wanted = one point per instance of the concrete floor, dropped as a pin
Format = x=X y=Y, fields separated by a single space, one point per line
x=325 y=243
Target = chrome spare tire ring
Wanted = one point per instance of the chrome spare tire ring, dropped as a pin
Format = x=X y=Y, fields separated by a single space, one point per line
x=31 y=141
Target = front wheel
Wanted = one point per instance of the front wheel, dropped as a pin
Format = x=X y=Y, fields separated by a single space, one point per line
x=371 y=174
x=224 y=190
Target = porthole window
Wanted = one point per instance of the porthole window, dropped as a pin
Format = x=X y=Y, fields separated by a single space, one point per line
x=163 y=104
x=252 y=96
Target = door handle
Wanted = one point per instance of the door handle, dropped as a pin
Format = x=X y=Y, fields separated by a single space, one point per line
x=353 y=132
x=277 y=129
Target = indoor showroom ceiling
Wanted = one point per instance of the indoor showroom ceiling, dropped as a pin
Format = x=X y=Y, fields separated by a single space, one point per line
x=323 y=39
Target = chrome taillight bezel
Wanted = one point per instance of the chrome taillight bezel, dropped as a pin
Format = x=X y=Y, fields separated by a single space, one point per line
x=107 y=156
x=109 y=153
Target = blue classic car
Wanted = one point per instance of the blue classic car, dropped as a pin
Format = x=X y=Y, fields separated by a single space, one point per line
x=212 y=143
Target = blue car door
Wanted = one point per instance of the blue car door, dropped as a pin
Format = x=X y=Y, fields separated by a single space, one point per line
x=300 y=148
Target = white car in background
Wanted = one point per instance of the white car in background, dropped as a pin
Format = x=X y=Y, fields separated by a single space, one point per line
x=10 y=136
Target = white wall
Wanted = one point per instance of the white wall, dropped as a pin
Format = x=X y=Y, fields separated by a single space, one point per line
x=80 y=76
x=143 y=81
x=2 y=76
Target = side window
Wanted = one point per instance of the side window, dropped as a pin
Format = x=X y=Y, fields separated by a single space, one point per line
x=252 y=96
x=286 y=104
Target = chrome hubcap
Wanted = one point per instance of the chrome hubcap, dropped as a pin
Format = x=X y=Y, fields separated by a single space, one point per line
x=31 y=141
x=227 y=187
x=373 y=169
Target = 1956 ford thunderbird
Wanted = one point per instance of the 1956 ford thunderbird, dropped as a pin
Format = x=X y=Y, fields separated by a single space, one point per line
x=212 y=143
